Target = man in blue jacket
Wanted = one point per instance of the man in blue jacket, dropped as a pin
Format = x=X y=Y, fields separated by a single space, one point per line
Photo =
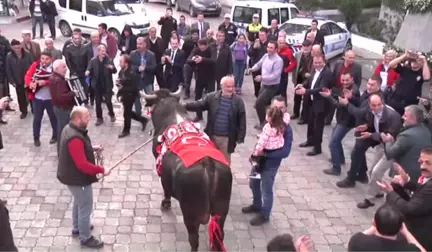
x=262 y=189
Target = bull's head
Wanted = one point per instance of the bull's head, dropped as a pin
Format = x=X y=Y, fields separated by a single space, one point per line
x=153 y=99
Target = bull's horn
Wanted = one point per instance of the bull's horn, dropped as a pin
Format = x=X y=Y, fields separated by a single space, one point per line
x=177 y=93
x=148 y=96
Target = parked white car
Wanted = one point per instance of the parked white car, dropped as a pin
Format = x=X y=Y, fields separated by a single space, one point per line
x=337 y=38
x=88 y=14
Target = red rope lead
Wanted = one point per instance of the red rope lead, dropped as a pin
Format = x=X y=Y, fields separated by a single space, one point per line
x=215 y=233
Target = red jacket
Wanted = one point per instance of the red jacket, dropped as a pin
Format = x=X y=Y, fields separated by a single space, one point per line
x=289 y=54
x=112 y=45
x=392 y=74
x=28 y=78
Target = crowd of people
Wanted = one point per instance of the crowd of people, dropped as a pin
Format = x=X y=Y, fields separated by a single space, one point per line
x=386 y=117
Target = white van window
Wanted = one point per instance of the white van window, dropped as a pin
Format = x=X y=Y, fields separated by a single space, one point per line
x=62 y=3
x=273 y=14
x=284 y=15
x=294 y=12
x=75 y=5
x=244 y=14
x=94 y=8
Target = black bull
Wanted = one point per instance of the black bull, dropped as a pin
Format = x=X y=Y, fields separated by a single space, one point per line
x=203 y=190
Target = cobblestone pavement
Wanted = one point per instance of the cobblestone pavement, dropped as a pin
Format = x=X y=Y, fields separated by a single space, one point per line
x=126 y=209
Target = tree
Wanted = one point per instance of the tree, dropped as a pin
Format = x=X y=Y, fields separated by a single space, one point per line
x=351 y=10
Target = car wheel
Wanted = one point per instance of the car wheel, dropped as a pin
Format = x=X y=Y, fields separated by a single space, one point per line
x=192 y=12
x=177 y=6
x=348 y=46
x=65 y=29
x=114 y=32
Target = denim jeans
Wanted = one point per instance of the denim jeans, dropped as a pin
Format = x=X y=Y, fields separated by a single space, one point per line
x=39 y=107
x=335 y=146
x=148 y=89
x=239 y=70
x=81 y=210
x=37 y=20
x=63 y=119
x=262 y=190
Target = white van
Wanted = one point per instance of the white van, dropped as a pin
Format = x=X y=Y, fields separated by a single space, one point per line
x=88 y=14
x=242 y=12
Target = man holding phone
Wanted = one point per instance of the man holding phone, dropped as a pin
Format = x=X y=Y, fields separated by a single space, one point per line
x=168 y=24
x=412 y=77
x=321 y=80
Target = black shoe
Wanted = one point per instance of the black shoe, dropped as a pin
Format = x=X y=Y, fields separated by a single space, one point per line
x=305 y=144
x=53 y=140
x=123 y=134
x=113 y=119
x=258 y=220
x=23 y=115
x=3 y=121
x=99 y=122
x=365 y=204
x=331 y=171
x=313 y=152
x=144 y=124
x=345 y=183
x=363 y=180
x=379 y=195
x=37 y=142
x=294 y=117
x=75 y=233
x=301 y=122
x=93 y=243
x=250 y=209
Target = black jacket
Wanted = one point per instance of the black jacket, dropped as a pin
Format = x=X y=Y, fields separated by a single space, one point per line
x=69 y=41
x=343 y=116
x=6 y=237
x=76 y=59
x=67 y=172
x=129 y=82
x=50 y=9
x=157 y=48
x=132 y=45
x=237 y=117
x=319 y=38
x=16 y=67
x=95 y=67
x=168 y=25
x=325 y=80
x=173 y=73
x=224 y=62
x=417 y=209
x=363 y=106
x=256 y=54
x=188 y=45
x=43 y=7
x=205 y=71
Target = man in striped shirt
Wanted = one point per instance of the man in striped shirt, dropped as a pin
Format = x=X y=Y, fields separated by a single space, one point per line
x=37 y=9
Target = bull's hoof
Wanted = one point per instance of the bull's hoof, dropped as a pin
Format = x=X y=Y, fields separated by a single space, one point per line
x=166 y=205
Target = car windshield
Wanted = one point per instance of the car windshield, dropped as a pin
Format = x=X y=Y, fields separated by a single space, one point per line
x=243 y=14
x=291 y=28
x=116 y=8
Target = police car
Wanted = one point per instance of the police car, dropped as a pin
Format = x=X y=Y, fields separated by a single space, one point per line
x=337 y=38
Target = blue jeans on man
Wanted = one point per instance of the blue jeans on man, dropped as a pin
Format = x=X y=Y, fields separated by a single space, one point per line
x=37 y=20
x=336 y=148
x=63 y=118
x=81 y=211
x=262 y=191
x=39 y=107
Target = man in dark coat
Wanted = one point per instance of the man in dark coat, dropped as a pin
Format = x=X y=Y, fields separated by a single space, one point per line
x=6 y=237
x=156 y=45
x=174 y=60
x=18 y=62
x=224 y=60
x=101 y=69
x=230 y=30
x=190 y=43
x=168 y=24
x=50 y=14
x=318 y=35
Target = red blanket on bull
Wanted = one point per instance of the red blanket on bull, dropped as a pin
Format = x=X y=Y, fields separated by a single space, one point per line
x=189 y=144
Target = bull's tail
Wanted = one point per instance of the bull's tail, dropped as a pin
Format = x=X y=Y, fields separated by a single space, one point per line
x=215 y=230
